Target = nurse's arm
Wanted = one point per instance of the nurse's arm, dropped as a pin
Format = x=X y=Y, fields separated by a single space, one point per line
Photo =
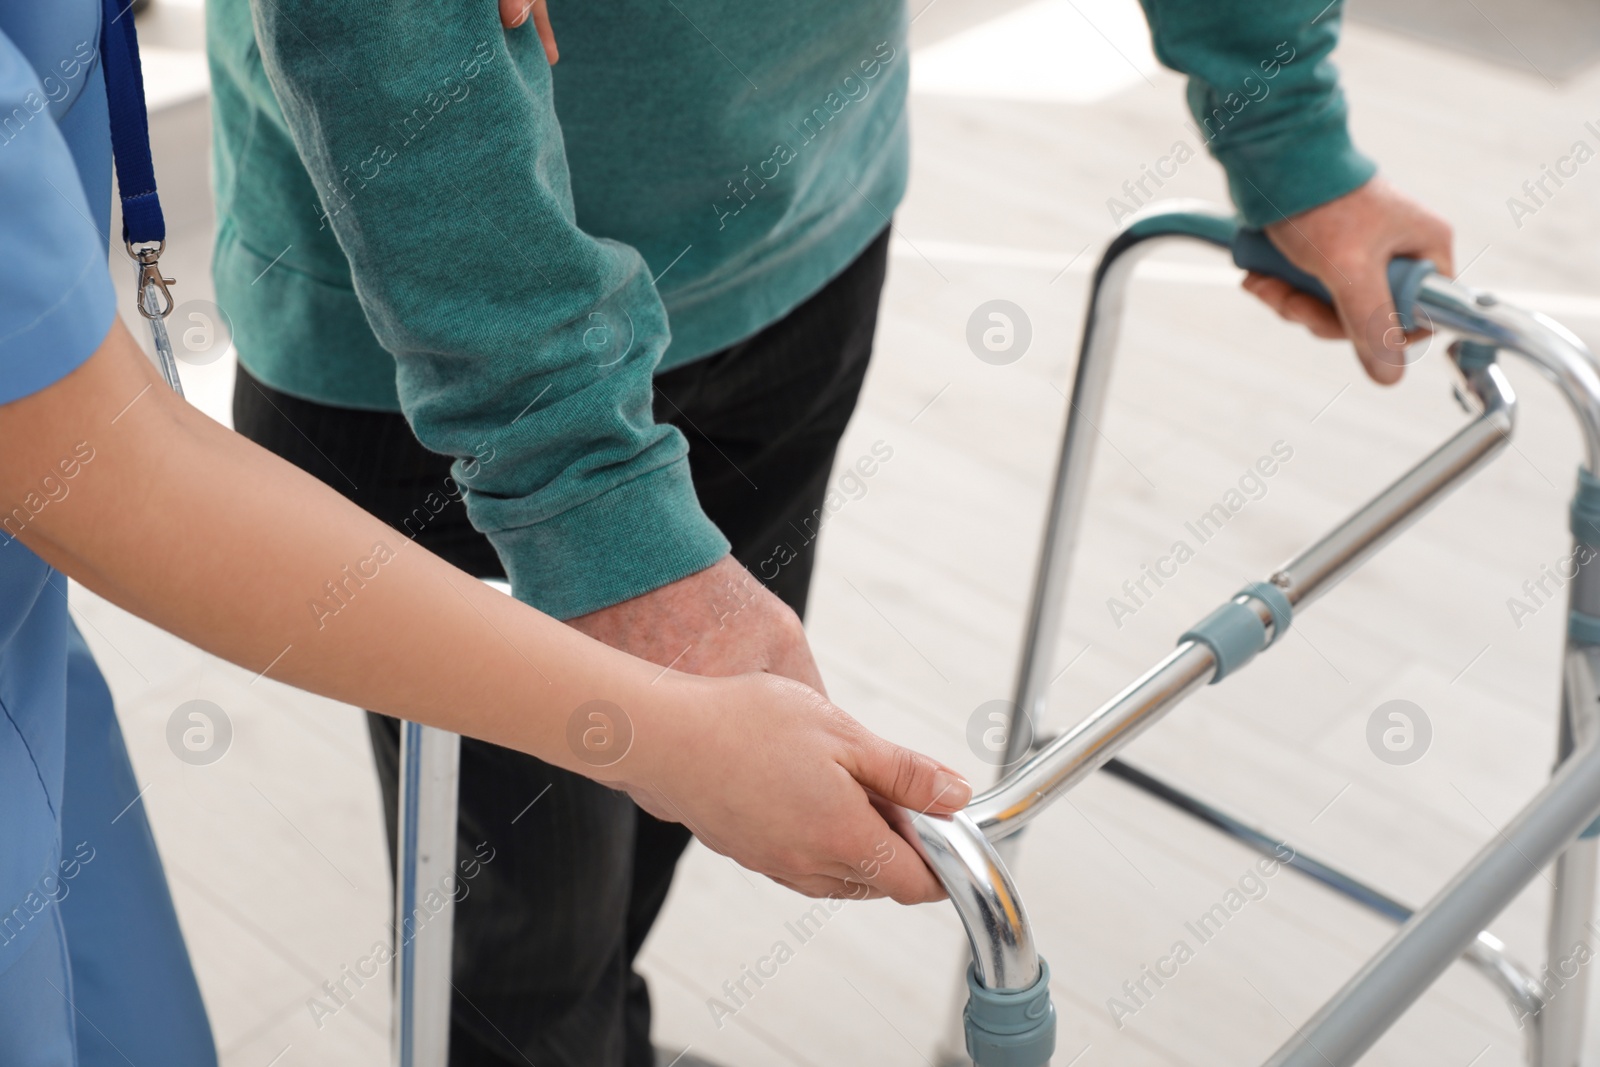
x=114 y=480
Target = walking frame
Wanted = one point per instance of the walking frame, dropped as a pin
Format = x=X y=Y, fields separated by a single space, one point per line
x=1009 y=1020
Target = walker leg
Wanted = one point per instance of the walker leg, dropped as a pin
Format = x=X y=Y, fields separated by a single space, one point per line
x=1085 y=406
x=1572 y=938
x=1008 y=1020
x=425 y=875
x=1064 y=513
x=1572 y=901
x=424 y=890
x=951 y=1050
x=1571 y=908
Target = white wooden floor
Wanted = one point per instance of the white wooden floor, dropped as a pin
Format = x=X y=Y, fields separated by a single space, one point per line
x=275 y=851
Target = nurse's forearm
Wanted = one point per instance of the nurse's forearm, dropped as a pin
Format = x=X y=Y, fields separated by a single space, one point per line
x=117 y=482
x=113 y=479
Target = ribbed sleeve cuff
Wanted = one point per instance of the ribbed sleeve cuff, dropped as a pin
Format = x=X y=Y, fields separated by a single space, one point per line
x=633 y=539
x=1274 y=178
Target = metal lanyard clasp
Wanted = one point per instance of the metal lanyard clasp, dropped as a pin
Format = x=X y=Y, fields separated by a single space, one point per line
x=151 y=283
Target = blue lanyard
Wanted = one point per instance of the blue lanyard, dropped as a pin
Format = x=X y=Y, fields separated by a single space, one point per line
x=144 y=230
x=130 y=128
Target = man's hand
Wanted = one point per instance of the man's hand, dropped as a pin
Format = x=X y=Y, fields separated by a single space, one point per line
x=1347 y=244
x=514 y=13
x=719 y=622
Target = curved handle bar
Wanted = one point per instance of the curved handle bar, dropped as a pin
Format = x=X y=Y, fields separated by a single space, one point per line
x=1254 y=250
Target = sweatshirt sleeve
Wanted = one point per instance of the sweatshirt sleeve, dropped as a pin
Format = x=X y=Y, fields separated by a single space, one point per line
x=524 y=347
x=1265 y=98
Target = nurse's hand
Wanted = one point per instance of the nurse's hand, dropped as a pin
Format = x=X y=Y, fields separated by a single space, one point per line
x=514 y=13
x=1347 y=244
x=766 y=771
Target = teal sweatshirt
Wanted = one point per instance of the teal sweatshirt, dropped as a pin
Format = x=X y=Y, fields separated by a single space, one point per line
x=406 y=225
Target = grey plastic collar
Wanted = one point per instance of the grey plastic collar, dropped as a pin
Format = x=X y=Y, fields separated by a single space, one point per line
x=1010 y=1027
x=1275 y=599
x=1473 y=355
x=1235 y=633
x=1586 y=509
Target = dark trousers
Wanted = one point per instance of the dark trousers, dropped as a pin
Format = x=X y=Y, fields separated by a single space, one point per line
x=546 y=937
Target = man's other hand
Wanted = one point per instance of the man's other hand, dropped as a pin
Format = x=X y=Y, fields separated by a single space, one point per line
x=1347 y=245
x=514 y=13
x=719 y=622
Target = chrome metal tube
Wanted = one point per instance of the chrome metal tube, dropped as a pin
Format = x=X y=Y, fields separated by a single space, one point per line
x=1101 y=327
x=1076 y=754
x=1323 y=565
x=984 y=896
x=430 y=771
x=1571 y=925
x=1350 y=1023
x=1017 y=799
x=1488 y=956
x=1553 y=349
x=426 y=865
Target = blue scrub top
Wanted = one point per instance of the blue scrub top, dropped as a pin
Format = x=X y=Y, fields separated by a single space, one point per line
x=56 y=307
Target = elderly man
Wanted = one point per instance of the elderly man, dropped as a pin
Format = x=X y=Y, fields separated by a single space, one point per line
x=451 y=269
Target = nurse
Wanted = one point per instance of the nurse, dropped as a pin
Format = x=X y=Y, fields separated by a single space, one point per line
x=109 y=477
